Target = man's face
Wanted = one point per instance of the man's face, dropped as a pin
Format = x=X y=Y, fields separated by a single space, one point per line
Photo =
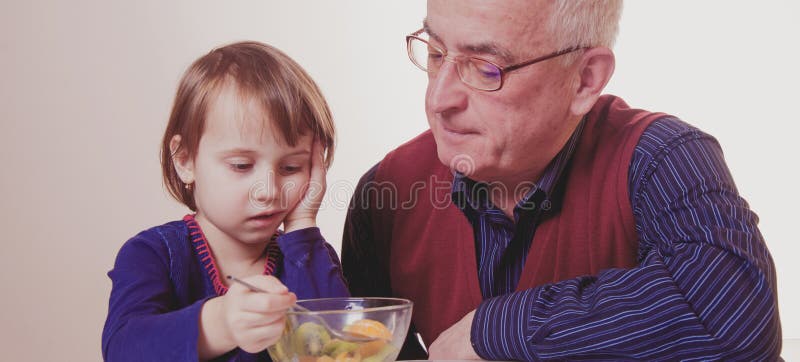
x=510 y=134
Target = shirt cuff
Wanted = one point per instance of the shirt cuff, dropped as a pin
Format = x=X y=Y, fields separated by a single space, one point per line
x=297 y=245
x=501 y=327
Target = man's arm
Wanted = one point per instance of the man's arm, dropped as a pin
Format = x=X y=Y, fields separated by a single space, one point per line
x=365 y=256
x=705 y=287
x=366 y=272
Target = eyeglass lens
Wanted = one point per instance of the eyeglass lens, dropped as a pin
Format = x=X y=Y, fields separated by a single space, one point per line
x=474 y=72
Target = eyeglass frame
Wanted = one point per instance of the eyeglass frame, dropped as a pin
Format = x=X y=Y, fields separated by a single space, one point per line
x=503 y=70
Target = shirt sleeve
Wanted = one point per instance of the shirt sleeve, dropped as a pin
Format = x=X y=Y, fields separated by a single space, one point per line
x=142 y=323
x=705 y=287
x=311 y=268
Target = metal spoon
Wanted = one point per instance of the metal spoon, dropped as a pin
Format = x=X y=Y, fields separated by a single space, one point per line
x=334 y=332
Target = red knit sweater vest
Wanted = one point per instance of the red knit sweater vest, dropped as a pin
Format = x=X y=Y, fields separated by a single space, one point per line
x=432 y=245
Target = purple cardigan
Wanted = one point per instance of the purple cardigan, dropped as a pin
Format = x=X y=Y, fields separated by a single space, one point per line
x=163 y=275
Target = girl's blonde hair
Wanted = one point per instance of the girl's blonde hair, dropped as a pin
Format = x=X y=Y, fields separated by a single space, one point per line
x=261 y=73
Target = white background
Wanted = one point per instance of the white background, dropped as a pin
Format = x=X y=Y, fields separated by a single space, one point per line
x=87 y=85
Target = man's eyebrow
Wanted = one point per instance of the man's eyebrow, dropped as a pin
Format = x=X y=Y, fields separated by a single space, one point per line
x=427 y=29
x=490 y=48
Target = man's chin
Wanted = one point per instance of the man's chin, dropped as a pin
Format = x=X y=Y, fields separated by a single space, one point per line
x=459 y=162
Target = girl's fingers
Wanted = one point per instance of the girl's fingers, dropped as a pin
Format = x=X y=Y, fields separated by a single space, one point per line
x=273 y=296
x=318 y=162
x=269 y=283
x=266 y=283
x=251 y=320
x=267 y=303
x=257 y=339
x=315 y=189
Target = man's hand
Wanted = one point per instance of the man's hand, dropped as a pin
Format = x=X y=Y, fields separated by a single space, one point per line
x=454 y=343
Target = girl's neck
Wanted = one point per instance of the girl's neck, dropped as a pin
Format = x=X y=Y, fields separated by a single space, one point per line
x=231 y=256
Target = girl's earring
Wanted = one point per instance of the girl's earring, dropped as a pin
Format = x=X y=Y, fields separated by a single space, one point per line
x=188 y=187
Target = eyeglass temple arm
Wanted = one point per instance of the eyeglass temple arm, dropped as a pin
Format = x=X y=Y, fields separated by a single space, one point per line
x=543 y=58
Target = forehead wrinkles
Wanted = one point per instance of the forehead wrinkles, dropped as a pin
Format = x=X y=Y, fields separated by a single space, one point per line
x=526 y=24
x=517 y=27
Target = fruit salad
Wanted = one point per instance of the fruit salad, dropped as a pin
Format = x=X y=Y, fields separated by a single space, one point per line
x=311 y=342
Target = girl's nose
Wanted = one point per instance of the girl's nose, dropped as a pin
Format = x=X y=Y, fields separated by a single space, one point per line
x=265 y=191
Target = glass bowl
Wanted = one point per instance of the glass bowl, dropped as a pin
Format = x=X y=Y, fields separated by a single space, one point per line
x=306 y=339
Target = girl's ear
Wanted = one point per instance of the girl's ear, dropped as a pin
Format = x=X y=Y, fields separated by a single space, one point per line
x=184 y=165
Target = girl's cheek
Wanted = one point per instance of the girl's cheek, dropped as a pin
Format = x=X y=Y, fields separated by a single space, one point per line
x=293 y=186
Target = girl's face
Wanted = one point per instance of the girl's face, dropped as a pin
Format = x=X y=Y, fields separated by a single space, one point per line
x=246 y=177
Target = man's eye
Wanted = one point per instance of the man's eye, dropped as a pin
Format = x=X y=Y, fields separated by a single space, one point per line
x=486 y=70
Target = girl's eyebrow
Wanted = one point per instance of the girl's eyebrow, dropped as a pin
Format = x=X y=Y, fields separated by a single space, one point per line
x=249 y=152
x=298 y=152
x=237 y=151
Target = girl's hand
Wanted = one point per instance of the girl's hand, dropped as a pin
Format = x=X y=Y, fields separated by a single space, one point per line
x=255 y=320
x=250 y=320
x=304 y=215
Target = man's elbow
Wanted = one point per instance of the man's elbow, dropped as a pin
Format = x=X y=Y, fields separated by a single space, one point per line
x=753 y=328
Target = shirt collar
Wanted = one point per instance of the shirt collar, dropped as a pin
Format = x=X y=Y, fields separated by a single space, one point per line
x=467 y=192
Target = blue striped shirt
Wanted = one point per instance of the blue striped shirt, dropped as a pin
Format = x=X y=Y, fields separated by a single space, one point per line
x=502 y=244
x=704 y=289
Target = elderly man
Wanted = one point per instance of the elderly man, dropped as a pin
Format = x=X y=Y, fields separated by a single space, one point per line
x=537 y=219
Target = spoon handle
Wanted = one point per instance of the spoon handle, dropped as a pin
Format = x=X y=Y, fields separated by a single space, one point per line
x=248 y=285
x=259 y=290
x=321 y=320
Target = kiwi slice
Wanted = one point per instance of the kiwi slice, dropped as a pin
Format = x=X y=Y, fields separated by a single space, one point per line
x=277 y=350
x=309 y=339
x=336 y=347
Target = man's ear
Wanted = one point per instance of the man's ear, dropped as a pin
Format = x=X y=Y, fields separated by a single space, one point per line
x=184 y=165
x=594 y=71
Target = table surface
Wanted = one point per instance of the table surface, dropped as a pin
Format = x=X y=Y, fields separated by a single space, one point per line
x=790 y=352
x=791 y=349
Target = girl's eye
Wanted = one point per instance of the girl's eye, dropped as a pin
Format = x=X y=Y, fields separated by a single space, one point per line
x=291 y=169
x=241 y=167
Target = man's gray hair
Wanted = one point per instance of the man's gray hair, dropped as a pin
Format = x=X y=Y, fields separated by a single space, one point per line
x=585 y=22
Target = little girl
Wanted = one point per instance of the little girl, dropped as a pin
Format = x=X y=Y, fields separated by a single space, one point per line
x=246 y=148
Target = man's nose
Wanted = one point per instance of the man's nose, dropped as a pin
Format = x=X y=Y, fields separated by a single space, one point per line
x=446 y=92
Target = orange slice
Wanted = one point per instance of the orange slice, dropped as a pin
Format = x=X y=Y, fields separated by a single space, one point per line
x=369 y=328
x=369 y=348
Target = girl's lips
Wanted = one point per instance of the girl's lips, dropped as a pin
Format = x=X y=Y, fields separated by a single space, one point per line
x=264 y=219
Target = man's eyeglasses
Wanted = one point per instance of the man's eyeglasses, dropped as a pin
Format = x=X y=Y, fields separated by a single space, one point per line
x=475 y=72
